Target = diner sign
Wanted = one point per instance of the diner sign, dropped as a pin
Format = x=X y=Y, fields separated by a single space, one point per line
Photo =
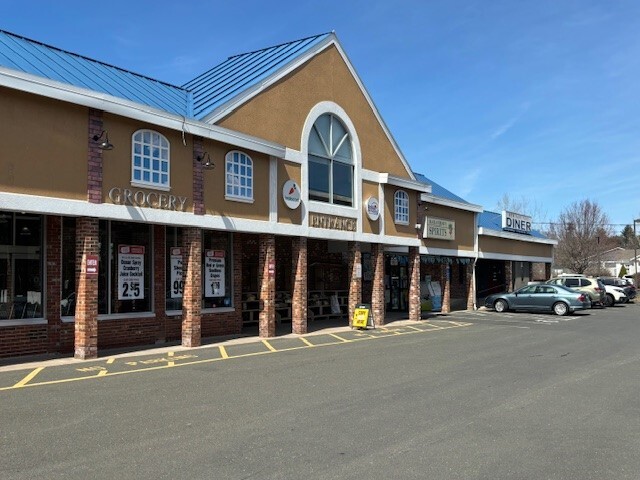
x=515 y=222
x=130 y=272
x=439 y=228
x=332 y=222
x=140 y=198
x=214 y=273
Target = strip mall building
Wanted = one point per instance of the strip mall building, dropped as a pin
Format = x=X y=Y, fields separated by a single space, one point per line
x=267 y=190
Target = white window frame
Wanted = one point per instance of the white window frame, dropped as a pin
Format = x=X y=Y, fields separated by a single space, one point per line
x=162 y=145
x=237 y=177
x=401 y=207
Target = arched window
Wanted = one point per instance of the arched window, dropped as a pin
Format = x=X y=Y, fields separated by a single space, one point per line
x=150 y=159
x=239 y=176
x=330 y=162
x=401 y=207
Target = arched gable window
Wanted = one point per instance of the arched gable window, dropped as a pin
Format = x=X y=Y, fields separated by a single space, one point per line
x=401 y=207
x=150 y=159
x=238 y=176
x=330 y=162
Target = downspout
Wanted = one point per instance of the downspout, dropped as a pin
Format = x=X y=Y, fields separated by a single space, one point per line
x=476 y=248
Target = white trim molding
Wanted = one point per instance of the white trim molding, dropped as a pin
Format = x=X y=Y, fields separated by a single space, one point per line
x=515 y=236
x=445 y=202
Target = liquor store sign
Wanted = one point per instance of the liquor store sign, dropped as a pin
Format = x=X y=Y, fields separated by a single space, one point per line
x=440 y=228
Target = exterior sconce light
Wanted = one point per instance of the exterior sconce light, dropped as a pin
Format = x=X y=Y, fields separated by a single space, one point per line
x=103 y=143
x=205 y=160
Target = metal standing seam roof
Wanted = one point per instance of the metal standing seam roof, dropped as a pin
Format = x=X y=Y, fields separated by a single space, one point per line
x=240 y=73
x=36 y=58
x=493 y=221
x=438 y=190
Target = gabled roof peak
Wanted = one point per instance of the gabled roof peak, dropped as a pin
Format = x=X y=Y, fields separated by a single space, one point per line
x=284 y=44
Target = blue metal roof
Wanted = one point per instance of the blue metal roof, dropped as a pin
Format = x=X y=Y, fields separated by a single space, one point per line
x=493 y=221
x=242 y=72
x=439 y=190
x=30 y=56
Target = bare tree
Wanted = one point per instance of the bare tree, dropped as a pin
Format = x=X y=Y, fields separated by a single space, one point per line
x=582 y=232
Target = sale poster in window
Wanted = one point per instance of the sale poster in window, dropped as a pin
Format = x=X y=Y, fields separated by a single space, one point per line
x=214 y=273
x=177 y=283
x=130 y=272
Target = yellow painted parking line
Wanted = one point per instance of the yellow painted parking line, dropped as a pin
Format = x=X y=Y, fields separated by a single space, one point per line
x=28 y=378
x=307 y=342
x=269 y=346
x=170 y=363
x=111 y=360
x=102 y=373
x=415 y=328
x=223 y=352
x=340 y=338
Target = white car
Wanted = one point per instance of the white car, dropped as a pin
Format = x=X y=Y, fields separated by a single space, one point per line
x=614 y=295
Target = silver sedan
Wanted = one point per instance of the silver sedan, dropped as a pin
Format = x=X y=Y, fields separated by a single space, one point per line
x=543 y=298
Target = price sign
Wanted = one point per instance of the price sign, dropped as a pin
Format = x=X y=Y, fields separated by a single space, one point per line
x=177 y=283
x=214 y=273
x=130 y=272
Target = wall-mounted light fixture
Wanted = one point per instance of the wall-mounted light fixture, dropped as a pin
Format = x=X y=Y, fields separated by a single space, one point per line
x=205 y=160
x=103 y=143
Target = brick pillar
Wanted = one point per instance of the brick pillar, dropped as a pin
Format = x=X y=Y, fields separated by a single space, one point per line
x=355 y=282
x=94 y=160
x=547 y=271
x=471 y=293
x=445 y=274
x=299 y=275
x=53 y=265
x=198 y=177
x=192 y=293
x=377 y=289
x=414 y=284
x=86 y=319
x=267 y=272
x=160 y=281
x=508 y=276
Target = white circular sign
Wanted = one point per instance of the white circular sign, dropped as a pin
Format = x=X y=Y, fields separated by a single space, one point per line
x=373 y=208
x=291 y=194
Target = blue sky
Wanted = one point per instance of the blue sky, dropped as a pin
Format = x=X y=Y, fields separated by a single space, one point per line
x=536 y=99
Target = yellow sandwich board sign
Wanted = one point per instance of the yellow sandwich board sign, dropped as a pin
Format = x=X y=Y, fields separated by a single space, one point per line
x=362 y=316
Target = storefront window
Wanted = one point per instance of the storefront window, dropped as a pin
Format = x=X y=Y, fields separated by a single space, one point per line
x=216 y=269
x=68 y=300
x=175 y=282
x=21 y=292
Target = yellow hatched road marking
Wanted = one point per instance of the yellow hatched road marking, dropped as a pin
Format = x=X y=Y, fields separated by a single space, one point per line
x=340 y=338
x=102 y=373
x=307 y=342
x=269 y=346
x=223 y=352
x=111 y=360
x=171 y=363
x=414 y=328
x=28 y=378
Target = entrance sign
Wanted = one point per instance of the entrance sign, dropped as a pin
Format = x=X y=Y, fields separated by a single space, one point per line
x=331 y=222
x=130 y=272
x=177 y=283
x=214 y=273
x=91 y=268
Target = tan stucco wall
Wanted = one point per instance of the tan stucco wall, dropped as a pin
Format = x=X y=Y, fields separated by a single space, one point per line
x=279 y=113
x=388 y=210
x=116 y=163
x=369 y=189
x=465 y=222
x=288 y=171
x=506 y=246
x=44 y=146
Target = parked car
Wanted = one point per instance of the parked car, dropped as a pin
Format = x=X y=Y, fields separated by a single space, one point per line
x=544 y=298
x=628 y=288
x=589 y=285
x=614 y=295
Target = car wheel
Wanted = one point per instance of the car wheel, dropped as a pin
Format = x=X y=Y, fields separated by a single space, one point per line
x=609 y=301
x=560 y=308
x=501 y=306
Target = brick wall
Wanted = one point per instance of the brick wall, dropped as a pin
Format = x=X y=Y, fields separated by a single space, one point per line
x=377 y=288
x=94 y=160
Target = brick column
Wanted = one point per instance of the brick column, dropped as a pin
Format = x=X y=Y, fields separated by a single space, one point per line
x=192 y=293
x=445 y=274
x=267 y=272
x=471 y=293
x=414 y=284
x=94 y=160
x=547 y=271
x=508 y=276
x=160 y=281
x=198 y=177
x=86 y=319
x=355 y=282
x=53 y=265
x=299 y=275
x=377 y=289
